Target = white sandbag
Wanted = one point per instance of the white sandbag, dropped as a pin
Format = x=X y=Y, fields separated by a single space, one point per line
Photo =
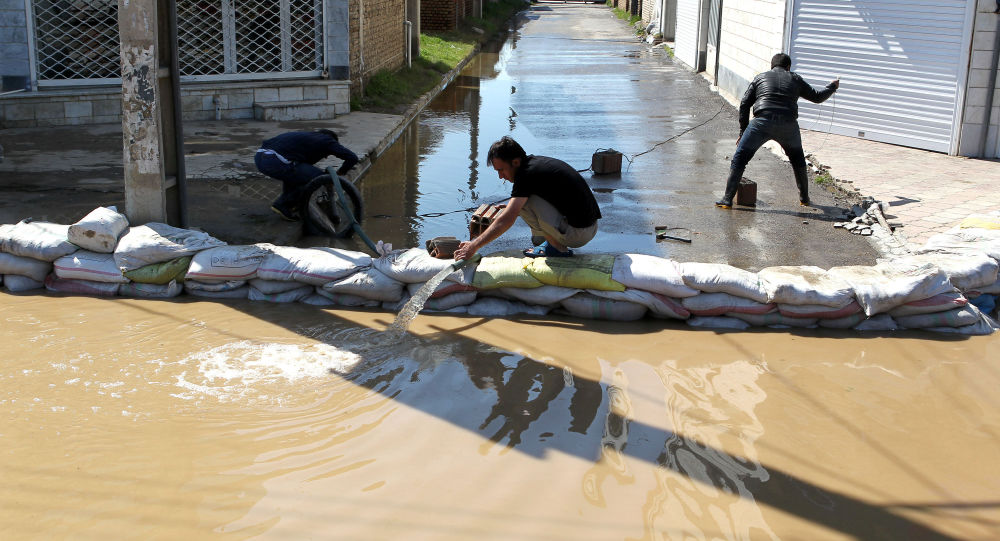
x=315 y=266
x=659 y=305
x=80 y=287
x=224 y=263
x=938 y=303
x=241 y=292
x=819 y=311
x=213 y=287
x=542 y=296
x=986 y=325
x=717 y=304
x=846 y=322
x=344 y=299
x=271 y=287
x=155 y=243
x=36 y=269
x=805 y=285
x=722 y=278
x=992 y=289
x=882 y=287
x=454 y=300
x=958 y=317
x=151 y=291
x=302 y=292
x=967 y=270
x=38 y=240
x=443 y=289
x=878 y=322
x=15 y=283
x=415 y=265
x=775 y=319
x=369 y=283
x=87 y=265
x=587 y=305
x=717 y=322
x=99 y=230
x=961 y=238
x=494 y=307
x=650 y=273
x=318 y=300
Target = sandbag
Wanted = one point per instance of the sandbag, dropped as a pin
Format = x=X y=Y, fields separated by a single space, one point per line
x=151 y=291
x=99 y=230
x=224 y=263
x=213 y=287
x=36 y=269
x=960 y=238
x=344 y=299
x=878 y=322
x=15 y=283
x=958 y=317
x=415 y=265
x=717 y=304
x=494 y=272
x=38 y=240
x=650 y=273
x=590 y=306
x=884 y=286
x=294 y=295
x=315 y=266
x=659 y=305
x=774 y=319
x=241 y=292
x=819 y=311
x=156 y=242
x=172 y=270
x=937 y=303
x=369 y=283
x=846 y=322
x=454 y=300
x=494 y=307
x=805 y=285
x=541 y=296
x=717 y=322
x=723 y=278
x=80 y=287
x=967 y=270
x=271 y=287
x=443 y=289
x=581 y=272
x=87 y=265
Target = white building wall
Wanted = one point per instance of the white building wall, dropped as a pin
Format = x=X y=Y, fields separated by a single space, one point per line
x=974 y=125
x=752 y=32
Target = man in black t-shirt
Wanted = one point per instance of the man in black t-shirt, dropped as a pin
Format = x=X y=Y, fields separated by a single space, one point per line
x=291 y=157
x=551 y=197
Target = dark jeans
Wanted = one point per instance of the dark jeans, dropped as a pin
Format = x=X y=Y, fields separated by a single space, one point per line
x=783 y=129
x=293 y=176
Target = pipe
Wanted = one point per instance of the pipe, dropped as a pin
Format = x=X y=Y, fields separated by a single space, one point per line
x=406 y=45
x=463 y=262
x=991 y=87
x=175 y=82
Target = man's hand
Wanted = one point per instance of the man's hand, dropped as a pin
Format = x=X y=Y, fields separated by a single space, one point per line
x=835 y=84
x=465 y=250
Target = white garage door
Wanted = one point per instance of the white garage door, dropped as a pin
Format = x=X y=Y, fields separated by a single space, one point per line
x=901 y=64
x=686 y=34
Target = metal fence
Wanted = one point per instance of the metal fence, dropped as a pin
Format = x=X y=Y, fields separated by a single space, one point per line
x=76 y=41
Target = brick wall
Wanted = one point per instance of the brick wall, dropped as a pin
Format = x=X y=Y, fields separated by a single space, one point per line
x=752 y=32
x=381 y=44
x=14 y=66
x=648 y=6
x=438 y=15
x=974 y=115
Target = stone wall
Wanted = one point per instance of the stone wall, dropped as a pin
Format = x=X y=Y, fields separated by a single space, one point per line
x=752 y=32
x=974 y=125
x=13 y=45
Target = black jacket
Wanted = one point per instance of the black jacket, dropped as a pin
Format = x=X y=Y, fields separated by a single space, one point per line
x=778 y=91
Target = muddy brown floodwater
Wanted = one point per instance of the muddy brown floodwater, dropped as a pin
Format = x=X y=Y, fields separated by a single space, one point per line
x=184 y=419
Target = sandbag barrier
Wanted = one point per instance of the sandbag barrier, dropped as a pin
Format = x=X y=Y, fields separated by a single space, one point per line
x=950 y=285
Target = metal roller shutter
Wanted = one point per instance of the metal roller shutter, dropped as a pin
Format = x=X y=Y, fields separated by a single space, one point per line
x=686 y=35
x=902 y=66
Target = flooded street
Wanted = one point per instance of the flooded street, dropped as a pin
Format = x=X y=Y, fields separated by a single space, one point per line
x=139 y=419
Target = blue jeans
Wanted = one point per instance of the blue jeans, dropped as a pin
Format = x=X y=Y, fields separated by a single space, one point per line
x=293 y=176
x=780 y=128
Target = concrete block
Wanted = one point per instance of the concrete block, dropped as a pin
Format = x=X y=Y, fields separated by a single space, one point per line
x=314 y=93
x=15 y=18
x=107 y=107
x=241 y=100
x=975 y=96
x=985 y=22
x=12 y=4
x=49 y=110
x=191 y=102
x=290 y=93
x=981 y=60
x=975 y=114
x=19 y=112
x=983 y=41
x=979 y=78
x=262 y=95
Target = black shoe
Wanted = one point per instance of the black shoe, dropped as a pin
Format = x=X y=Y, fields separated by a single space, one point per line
x=724 y=204
x=285 y=213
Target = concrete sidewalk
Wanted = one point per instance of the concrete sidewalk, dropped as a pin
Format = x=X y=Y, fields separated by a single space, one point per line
x=927 y=192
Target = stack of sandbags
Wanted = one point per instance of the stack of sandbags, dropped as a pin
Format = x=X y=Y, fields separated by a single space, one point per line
x=27 y=250
x=305 y=271
x=409 y=269
x=725 y=295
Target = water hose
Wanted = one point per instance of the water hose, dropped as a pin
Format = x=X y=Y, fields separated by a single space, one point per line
x=342 y=201
x=463 y=262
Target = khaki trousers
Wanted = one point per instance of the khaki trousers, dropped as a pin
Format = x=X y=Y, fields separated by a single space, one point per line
x=546 y=221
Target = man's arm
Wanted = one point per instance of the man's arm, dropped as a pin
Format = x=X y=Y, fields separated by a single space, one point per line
x=749 y=97
x=344 y=153
x=500 y=224
x=807 y=91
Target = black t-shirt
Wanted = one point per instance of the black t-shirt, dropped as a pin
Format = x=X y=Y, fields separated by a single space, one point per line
x=310 y=147
x=556 y=182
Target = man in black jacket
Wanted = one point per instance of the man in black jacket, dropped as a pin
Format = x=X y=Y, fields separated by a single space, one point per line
x=774 y=95
x=291 y=157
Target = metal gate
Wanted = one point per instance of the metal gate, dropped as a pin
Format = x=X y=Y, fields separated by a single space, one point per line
x=902 y=67
x=688 y=27
x=714 y=38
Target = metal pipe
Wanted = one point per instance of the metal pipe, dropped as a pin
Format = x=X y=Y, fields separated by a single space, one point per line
x=406 y=44
x=175 y=81
x=991 y=87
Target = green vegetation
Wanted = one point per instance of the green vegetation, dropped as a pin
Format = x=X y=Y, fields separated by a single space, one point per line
x=632 y=19
x=440 y=52
x=670 y=51
x=823 y=178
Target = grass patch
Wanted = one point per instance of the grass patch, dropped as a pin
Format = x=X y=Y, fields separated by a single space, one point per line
x=823 y=178
x=392 y=91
